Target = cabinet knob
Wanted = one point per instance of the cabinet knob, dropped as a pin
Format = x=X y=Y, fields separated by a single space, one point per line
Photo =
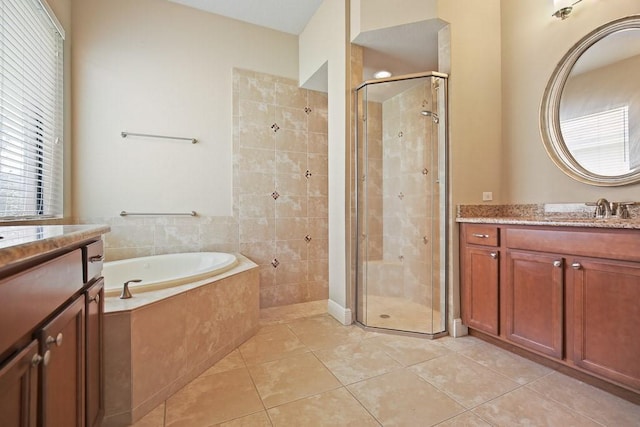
x=37 y=359
x=95 y=299
x=557 y=263
x=57 y=340
x=96 y=258
x=494 y=255
x=576 y=266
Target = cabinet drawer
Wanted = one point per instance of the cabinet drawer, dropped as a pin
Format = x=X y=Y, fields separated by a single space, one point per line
x=30 y=297
x=482 y=234
x=93 y=257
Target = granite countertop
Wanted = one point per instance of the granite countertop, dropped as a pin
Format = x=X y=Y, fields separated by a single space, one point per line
x=22 y=243
x=552 y=214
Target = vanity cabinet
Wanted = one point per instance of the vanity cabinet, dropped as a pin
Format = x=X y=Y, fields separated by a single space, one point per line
x=51 y=340
x=481 y=279
x=606 y=317
x=568 y=293
x=534 y=301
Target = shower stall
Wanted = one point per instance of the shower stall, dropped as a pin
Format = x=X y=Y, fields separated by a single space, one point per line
x=401 y=203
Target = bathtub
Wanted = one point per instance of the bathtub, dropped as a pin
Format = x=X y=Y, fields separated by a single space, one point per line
x=161 y=339
x=164 y=271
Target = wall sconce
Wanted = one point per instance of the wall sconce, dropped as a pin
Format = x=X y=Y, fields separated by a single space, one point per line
x=563 y=8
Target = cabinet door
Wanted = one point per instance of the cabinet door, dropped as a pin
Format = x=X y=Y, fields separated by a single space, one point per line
x=534 y=301
x=480 y=289
x=18 y=389
x=606 y=315
x=62 y=389
x=95 y=380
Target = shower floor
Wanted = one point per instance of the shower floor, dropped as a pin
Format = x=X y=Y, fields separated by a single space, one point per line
x=401 y=314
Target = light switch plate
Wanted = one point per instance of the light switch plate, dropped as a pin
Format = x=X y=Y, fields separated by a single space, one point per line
x=487 y=196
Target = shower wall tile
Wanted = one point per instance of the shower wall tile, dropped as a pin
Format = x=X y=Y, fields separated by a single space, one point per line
x=290 y=95
x=253 y=230
x=291 y=206
x=291 y=118
x=288 y=162
x=318 y=142
x=273 y=150
x=291 y=184
x=292 y=140
x=292 y=250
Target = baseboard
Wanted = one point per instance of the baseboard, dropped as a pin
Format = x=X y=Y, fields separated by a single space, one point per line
x=341 y=314
x=458 y=330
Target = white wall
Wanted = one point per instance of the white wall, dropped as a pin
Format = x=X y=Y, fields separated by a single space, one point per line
x=368 y=15
x=323 y=41
x=532 y=45
x=156 y=67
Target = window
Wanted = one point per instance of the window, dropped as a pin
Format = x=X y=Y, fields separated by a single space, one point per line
x=600 y=141
x=31 y=110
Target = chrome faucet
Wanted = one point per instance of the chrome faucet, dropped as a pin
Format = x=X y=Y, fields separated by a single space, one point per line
x=603 y=208
x=126 y=294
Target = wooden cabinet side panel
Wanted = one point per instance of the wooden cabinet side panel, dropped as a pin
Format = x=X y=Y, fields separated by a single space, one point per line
x=18 y=389
x=94 y=354
x=534 y=302
x=606 y=318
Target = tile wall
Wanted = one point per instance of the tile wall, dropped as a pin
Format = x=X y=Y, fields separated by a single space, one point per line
x=280 y=187
x=280 y=179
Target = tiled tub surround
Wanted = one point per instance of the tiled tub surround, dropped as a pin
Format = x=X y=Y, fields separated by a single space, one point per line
x=553 y=214
x=280 y=181
x=156 y=342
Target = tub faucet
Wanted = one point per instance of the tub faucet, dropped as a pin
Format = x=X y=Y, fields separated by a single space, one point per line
x=126 y=294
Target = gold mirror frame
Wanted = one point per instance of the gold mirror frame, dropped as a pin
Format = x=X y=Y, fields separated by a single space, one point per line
x=550 y=109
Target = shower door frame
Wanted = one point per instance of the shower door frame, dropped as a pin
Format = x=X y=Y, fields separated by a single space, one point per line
x=446 y=201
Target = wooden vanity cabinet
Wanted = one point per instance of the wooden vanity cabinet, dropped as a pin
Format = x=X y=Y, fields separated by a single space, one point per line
x=19 y=388
x=481 y=280
x=534 y=301
x=51 y=342
x=606 y=317
x=570 y=294
x=62 y=377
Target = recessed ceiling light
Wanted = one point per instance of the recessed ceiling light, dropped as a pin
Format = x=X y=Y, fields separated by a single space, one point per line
x=382 y=74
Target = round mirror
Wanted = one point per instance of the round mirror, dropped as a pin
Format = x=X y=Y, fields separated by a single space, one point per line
x=590 y=112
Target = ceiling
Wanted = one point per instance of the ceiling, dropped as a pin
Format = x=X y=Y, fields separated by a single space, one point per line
x=289 y=16
x=404 y=49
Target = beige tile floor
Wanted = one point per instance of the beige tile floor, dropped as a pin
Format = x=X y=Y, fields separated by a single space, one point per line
x=305 y=369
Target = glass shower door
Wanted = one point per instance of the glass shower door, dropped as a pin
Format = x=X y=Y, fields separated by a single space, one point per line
x=401 y=204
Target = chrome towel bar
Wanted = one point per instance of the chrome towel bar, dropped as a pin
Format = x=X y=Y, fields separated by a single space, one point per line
x=192 y=213
x=126 y=134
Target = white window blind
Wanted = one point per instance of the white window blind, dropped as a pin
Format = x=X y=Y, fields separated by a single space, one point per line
x=600 y=141
x=31 y=111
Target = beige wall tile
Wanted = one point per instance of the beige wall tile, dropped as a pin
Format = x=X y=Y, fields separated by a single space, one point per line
x=292 y=140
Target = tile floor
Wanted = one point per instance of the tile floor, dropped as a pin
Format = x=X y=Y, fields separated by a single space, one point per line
x=312 y=371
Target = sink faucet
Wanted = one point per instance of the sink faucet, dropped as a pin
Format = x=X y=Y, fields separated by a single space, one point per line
x=603 y=208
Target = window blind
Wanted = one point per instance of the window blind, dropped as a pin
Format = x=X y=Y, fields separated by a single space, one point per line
x=600 y=141
x=31 y=111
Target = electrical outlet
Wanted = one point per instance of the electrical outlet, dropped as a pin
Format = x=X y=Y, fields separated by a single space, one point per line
x=487 y=196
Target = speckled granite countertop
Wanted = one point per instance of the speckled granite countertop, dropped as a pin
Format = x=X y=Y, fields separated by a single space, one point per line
x=24 y=242
x=551 y=214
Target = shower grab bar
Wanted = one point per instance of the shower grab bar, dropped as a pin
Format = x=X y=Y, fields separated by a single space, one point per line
x=192 y=213
x=181 y=138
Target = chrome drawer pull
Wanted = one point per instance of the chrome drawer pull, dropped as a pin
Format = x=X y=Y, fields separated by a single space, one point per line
x=95 y=299
x=37 y=359
x=494 y=255
x=96 y=258
x=576 y=266
x=557 y=263
x=481 y=236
